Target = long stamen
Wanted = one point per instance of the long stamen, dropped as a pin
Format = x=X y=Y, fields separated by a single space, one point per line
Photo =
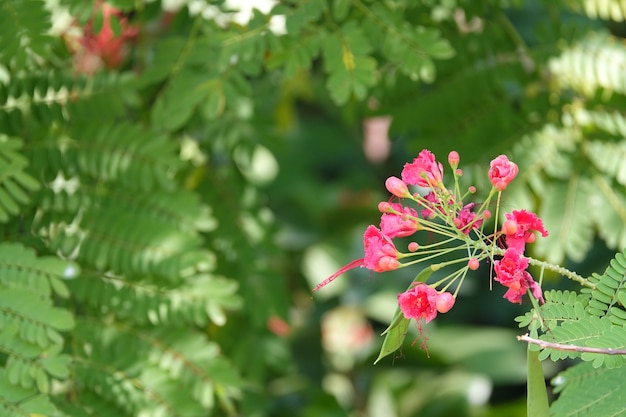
x=351 y=265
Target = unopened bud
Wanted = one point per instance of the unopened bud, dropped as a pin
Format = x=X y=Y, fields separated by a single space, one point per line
x=486 y=214
x=413 y=247
x=397 y=187
x=509 y=227
x=388 y=263
x=453 y=159
x=384 y=207
x=444 y=302
x=473 y=264
x=472 y=189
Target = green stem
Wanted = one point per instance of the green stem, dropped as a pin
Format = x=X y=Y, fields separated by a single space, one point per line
x=542 y=264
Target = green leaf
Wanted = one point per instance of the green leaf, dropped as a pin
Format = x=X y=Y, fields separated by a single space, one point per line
x=57 y=366
x=340 y=9
x=351 y=70
x=567 y=212
x=537 y=397
x=306 y=12
x=394 y=335
x=396 y=332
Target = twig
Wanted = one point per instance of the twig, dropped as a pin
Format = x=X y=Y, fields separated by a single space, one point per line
x=571 y=348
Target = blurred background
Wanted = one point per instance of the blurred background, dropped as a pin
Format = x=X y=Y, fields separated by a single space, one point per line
x=284 y=120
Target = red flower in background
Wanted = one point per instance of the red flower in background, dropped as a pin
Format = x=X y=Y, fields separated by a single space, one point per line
x=104 y=48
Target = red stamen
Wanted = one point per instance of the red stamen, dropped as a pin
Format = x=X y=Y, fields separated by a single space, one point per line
x=351 y=265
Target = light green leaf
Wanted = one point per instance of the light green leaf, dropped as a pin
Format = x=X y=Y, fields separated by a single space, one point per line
x=396 y=332
x=537 y=399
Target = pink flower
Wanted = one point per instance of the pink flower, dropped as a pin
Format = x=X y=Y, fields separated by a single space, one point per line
x=466 y=217
x=399 y=225
x=380 y=253
x=419 y=302
x=423 y=171
x=511 y=272
x=520 y=225
x=502 y=172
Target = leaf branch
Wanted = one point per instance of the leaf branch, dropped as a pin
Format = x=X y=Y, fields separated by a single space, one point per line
x=569 y=348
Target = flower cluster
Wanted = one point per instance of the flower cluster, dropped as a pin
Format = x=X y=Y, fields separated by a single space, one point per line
x=420 y=202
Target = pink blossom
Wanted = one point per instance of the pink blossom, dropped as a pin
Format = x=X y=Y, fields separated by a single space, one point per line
x=520 y=225
x=423 y=171
x=502 y=172
x=511 y=272
x=466 y=218
x=419 y=302
x=401 y=224
x=380 y=253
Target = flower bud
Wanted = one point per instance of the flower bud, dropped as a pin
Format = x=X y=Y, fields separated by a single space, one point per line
x=473 y=264
x=509 y=227
x=397 y=187
x=388 y=263
x=444 y=302
x=384 y=207
x=486 y=214
x=453 y=159
x=413 y=247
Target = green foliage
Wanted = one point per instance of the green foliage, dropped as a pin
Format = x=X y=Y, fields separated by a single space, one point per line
x=15 y=183
x=24 y=24
x=594 y=320
x=142 y=268
x=578 y=389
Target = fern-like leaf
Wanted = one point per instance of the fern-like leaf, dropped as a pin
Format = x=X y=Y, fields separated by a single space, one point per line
x=609 y=287
x=171 y=371
x=200 y=299
x=571 y=229
x=15 y=183
x=18 y=401
x=598 y=62
x=601 y=9
x=583 y=392
x=31 y=335
x=27 y=21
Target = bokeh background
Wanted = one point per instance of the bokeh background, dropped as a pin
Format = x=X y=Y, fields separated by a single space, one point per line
x=282 y=119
